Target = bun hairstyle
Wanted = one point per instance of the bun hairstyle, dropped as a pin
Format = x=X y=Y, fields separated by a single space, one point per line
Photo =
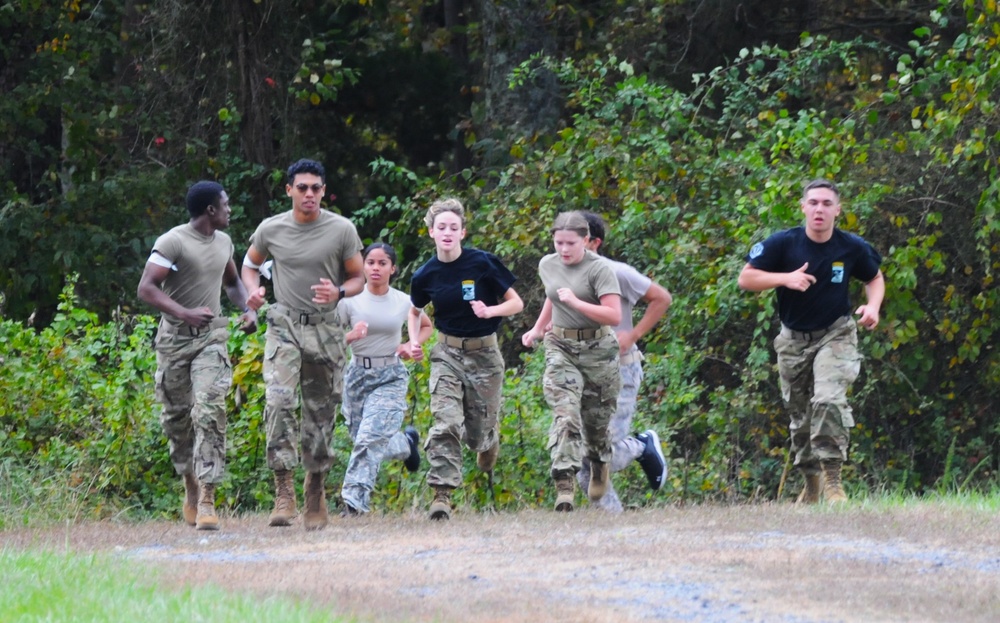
x=571 y=221
x=444 y=205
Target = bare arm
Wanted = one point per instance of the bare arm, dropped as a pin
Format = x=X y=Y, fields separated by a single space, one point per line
x=756 y=280
x=237 y=293
x=251 y=278
x=658 y=300
x=541 y=325
x=151 y=291
x=608 y=311
x=874 y=294
x=512 y=304
x=423 y=333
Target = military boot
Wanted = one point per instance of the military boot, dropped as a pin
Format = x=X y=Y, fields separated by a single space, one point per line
x=600 y=474
x=207 y=519
x=440 y=509
x=833 y=490
x=317 y=514
x=565 y=492
x=487 y=459
x=813 y=487
x=190 y=510
x=284 y=499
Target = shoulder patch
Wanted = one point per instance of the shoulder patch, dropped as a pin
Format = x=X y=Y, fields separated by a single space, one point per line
x=756 y=250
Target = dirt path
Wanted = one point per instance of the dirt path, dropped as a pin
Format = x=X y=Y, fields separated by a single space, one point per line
x=773 y=563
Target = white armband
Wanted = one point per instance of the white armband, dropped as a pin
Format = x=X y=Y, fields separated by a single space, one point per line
x=159 y=260
x=248 y=263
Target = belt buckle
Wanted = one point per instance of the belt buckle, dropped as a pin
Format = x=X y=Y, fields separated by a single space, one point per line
x=304 y=318
x=467 y=343
x=194 y=331
x=366 y=363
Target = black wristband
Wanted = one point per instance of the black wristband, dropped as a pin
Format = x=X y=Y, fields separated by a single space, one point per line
x=341 y=294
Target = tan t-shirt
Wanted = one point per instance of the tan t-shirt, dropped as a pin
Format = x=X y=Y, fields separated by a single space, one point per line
x=589 y=279
x=305 y=252
x=198 y=262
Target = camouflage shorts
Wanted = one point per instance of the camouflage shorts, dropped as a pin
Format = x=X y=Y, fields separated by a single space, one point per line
x=815 y=378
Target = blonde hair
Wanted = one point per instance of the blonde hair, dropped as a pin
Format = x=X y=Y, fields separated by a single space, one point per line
x=571 y=221
x=444 y=205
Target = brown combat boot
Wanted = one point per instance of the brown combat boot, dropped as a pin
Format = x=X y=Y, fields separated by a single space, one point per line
x=190 y=510
x=440 y=509
x=487 y=460
x=600 y=473
x=565 y=492
x=813 y=487
x=317 y=514
x=284 y=499
x=207 y=519
x=833 y=490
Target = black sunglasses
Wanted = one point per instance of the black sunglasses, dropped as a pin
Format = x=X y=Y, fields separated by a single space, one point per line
x=304 y=187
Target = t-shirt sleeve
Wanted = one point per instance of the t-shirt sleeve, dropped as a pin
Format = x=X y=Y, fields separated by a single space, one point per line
x=604 y=279
x=503 y=279
x=766 y=255
x=259 y=240
x=350 y=242
x=419 y=296
x=168 y=246
x=634 y=284
x=867 y=268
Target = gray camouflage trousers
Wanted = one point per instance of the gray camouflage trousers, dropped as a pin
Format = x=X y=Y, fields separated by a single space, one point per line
x=465 y=389
x=815 y=378
x=581 y=385
x=625 y=448
x=306 y=359
x=374 y=407
x=193 y=377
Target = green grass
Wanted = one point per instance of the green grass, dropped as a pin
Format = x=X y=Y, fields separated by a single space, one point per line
x=46 y=586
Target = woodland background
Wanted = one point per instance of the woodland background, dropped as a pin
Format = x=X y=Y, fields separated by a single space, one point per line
x=689 y=124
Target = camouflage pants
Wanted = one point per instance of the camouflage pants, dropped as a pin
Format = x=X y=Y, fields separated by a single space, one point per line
x=374 y=406
x=307 y=359
x=815 y=377
x=193 y=376
x=625 y=448
x=581 y=385
x=465 y=391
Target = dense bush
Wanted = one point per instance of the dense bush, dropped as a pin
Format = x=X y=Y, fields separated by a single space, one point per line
x=688 y=181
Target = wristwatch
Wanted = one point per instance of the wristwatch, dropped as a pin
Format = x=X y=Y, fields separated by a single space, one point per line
x=341 y=294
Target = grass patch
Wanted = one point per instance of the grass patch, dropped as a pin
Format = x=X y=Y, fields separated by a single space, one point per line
x=45 y=586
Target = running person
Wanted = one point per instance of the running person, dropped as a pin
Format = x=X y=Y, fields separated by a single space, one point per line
x=375 y=380
x=471 y=292
x=582 y=379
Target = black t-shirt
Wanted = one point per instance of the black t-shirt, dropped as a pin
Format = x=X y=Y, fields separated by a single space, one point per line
x=833 y=263
x=452 y=286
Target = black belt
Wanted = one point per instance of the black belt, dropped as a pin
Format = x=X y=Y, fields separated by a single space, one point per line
x=305 y=318
x=815 y=334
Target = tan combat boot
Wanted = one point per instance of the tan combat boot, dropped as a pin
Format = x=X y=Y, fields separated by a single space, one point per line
x=190 y=510
x=317 y=514
x=207 y=519
x=813 y=487
x=833 y=490
x=440 y=509
x=284 y=499
x=565 y=492
x=487 y=460
x=599 y=476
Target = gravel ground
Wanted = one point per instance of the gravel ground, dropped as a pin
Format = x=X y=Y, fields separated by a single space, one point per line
x=708 y=564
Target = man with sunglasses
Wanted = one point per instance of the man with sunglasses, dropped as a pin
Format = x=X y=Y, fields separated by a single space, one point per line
x=317 y=263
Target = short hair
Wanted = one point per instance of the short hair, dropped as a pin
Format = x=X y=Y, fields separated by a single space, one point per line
x=306 y=166
x=387 y=248
x=444 y=205
x=595 y=224
x=201 y=195
x=571 y=221
x=820 y=183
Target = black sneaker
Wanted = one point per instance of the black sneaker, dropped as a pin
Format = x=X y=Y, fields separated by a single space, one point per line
x=412 y=462
x=350 y=511
x=651 y=460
